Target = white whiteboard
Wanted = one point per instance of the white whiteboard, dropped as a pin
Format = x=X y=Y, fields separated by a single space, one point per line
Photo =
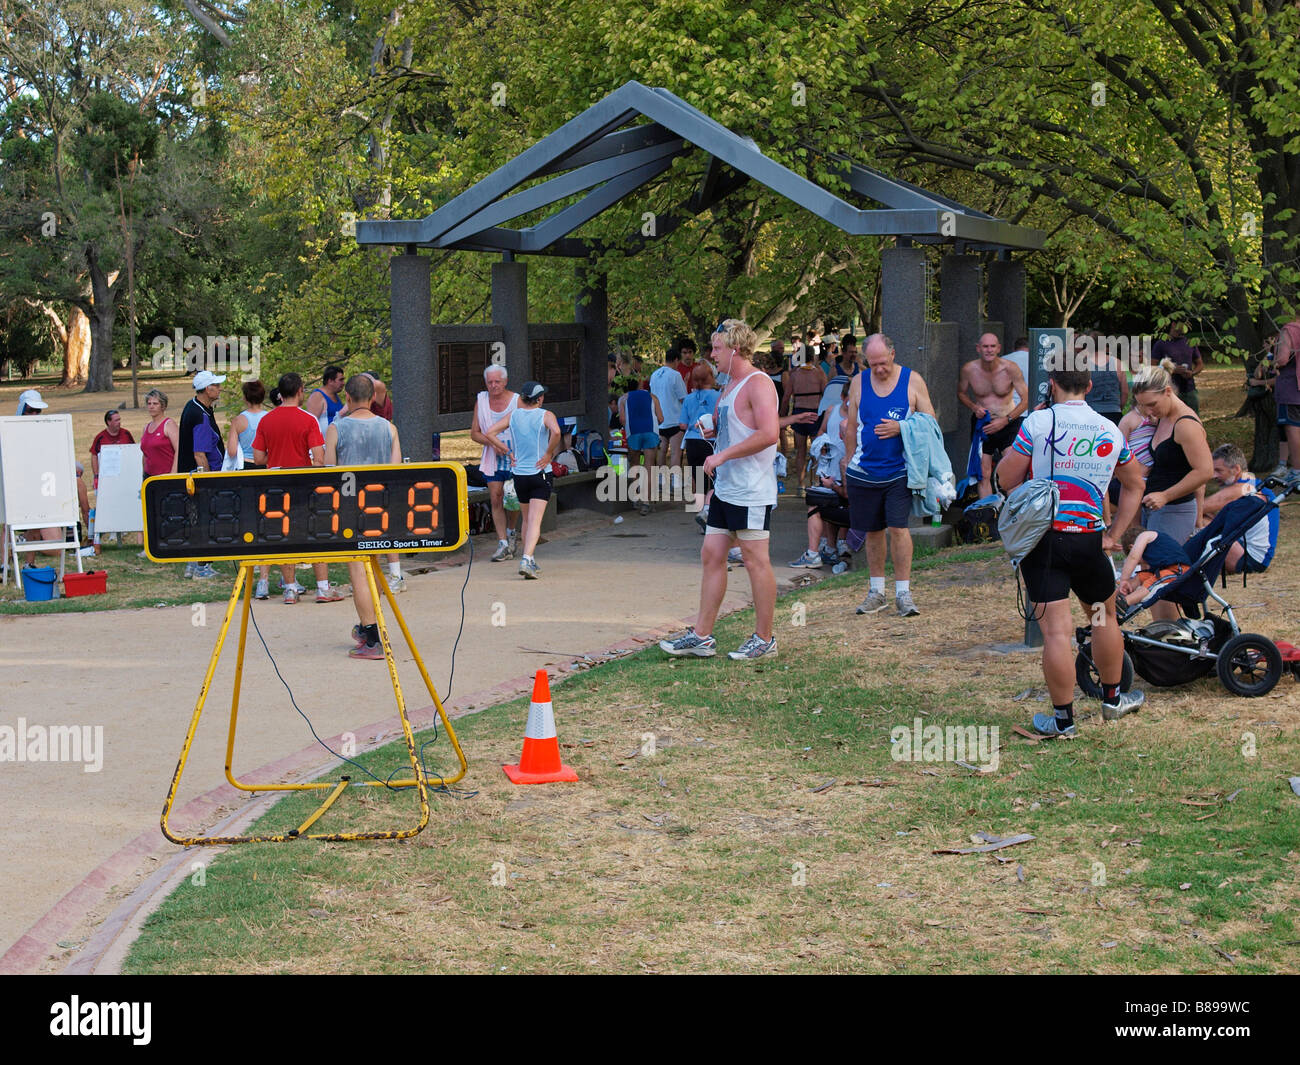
x=117 y=500
x=38 y=474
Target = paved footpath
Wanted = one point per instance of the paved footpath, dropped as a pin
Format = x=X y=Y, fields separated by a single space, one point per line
x=75 y=843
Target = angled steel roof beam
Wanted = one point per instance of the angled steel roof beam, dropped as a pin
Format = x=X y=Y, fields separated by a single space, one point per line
x=558 y=188
x=611 y=144
x=680 y=213
x=579 y=132
x=565 y=222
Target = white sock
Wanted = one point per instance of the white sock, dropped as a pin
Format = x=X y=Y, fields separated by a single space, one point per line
x=878 y=585
x=323 y=586
x=395 y=570
x=902 y=586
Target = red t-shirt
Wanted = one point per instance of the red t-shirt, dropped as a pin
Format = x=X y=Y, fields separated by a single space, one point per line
x=686 y=372
x=384 y=410
x=287 y=435
x=106 y=439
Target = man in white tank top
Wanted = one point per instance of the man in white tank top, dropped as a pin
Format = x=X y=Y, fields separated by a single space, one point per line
x=745 y=438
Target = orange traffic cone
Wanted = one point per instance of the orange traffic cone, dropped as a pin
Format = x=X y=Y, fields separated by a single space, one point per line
x=540 y=763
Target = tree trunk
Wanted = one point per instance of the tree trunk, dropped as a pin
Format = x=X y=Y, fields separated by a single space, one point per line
x=102 y=312
x=76 y=349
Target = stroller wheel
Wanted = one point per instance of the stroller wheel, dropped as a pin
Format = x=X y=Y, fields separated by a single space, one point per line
x=1085 y=672
x=1249 y=665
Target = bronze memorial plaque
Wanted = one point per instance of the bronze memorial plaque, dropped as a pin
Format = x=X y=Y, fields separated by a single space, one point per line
x=558 y=365
x=460 y=374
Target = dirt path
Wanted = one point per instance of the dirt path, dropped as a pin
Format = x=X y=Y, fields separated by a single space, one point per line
x=75 y=842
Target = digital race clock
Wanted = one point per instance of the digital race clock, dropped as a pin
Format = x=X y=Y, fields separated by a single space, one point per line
x=321 y=512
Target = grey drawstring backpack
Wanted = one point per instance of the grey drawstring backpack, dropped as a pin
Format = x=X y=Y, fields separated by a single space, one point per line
x=1029 y=511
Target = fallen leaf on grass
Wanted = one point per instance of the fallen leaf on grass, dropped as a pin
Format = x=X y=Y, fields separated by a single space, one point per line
x=1020 y=873
x=824 y=787
x=1010 y=841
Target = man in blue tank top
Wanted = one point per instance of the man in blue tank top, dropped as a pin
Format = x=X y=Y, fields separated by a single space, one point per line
x=876 y=474
x=324 y=404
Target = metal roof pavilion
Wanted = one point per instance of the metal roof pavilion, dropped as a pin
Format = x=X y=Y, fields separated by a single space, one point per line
x=608 y=154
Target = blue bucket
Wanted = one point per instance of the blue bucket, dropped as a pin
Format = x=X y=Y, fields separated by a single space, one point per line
x=38 y=583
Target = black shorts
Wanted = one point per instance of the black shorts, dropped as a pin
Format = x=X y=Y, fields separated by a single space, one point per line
x=733 y=518
x=801 y=428
x=696 y=452
x=1068 y=562
x=881 y=506
x=531 y=486
x=996 y=443
x=668 y=434
x=830 y=512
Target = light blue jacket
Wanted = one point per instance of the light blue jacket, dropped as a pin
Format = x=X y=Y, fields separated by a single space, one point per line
x=927 y=462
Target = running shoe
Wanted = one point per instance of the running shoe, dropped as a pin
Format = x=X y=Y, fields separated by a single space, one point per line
x=1045 y=725
x=690 y=643
x=735 y=557
x=368 y=650
x=204 y=571
x=906 y=608
x=290 y=596
x=754 y=647
x=329 y=595
x=873 y=603
x=502 y=552
x=528 y=568
x=190 y=567
x=397 y=585
x=1127 y=703
x=828 y=556
x=263 y=590
x=808 y=560
x=358 y=635
x=842 y=549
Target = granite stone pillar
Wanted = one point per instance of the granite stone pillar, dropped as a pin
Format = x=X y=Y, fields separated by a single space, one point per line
x=591 y=311
x=902 y=303
x=415 y=373
x=510 y=312
x=959 y=303
x=1006 y=299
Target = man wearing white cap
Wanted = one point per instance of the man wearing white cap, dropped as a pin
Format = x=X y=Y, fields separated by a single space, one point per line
x=201 y=443
x=30 y=400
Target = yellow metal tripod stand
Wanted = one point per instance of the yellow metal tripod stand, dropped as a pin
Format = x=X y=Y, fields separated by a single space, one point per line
x=419 y=779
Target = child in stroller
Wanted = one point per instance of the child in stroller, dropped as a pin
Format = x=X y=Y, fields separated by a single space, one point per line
x=1173 y=651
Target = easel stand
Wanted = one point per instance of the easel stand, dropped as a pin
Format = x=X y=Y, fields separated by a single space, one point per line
x=419 y=780
x=12 y=548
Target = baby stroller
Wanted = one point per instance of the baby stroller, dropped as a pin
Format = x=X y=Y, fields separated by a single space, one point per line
x=1169 y=653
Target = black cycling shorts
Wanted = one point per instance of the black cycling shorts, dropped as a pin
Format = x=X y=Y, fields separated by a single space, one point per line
x=1068 y=562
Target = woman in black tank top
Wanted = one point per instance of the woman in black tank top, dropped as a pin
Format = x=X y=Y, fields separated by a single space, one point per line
x=1181 y=462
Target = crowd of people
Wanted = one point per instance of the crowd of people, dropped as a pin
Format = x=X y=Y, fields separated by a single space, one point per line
x=1131 y=455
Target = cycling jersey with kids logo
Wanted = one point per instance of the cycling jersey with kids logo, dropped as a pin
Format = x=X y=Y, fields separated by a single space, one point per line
x=1081 y=456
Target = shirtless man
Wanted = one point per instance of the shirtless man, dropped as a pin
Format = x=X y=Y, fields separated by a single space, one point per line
x=993 y=385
